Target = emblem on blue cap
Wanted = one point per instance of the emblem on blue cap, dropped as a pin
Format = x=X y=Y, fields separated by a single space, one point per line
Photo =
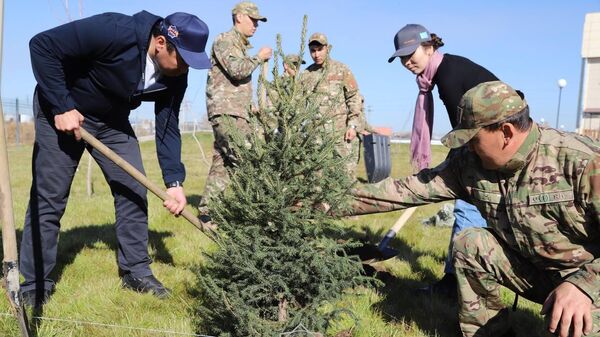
x=188 y=34
x=172 y=31
x=424 y=35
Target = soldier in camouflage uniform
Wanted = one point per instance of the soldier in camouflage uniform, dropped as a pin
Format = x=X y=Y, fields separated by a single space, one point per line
x=367 y=128
x=538 y=189
x=291 y=64
x=340 y=99
x=229 y=92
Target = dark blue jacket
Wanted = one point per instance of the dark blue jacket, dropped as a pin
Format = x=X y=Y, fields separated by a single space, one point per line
x=96 y=65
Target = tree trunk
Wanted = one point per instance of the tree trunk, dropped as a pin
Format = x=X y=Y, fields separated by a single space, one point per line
x=283 y=310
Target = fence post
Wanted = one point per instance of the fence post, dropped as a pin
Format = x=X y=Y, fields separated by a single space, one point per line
x=89 y=185
x=17 y=123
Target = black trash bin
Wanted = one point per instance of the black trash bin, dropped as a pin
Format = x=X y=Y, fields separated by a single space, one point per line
x=377 y=157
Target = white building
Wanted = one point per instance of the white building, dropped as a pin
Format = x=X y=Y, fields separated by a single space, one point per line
x=588 y=112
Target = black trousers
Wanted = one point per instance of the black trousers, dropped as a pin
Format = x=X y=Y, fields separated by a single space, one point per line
x=55 y=159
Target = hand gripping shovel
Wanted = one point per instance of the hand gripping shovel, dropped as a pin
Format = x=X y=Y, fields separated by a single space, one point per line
x=10 y=266
x=371 y=253
x=142 y=179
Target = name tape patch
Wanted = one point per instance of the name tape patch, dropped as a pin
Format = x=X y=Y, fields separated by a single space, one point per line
x=550 y=197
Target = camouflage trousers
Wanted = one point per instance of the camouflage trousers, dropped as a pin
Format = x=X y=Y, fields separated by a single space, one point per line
x=223 y=156
x=483 y=263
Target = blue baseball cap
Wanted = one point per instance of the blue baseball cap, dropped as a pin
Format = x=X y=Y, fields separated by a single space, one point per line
x=189 y=35
x=408 y=39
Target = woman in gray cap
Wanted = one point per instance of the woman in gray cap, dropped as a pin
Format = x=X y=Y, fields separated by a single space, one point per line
x=454 y=75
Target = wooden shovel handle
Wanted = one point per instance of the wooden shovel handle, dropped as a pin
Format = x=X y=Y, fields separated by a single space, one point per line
x=10 y=264
x=9 y=236
x=403 y=219
x=136 y=174
x=396 y=227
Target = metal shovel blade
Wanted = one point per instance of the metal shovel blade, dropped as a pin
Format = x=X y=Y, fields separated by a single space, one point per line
x=11 y=284
x=369 y=253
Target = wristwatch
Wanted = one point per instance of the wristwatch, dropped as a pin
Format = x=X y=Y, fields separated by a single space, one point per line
x=175 y=183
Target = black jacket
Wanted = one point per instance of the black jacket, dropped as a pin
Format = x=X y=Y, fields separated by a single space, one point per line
x=455 y=76
x=96 y=65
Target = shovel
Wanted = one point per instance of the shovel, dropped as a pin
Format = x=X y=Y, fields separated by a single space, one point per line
x=142 y=179
x=10 y=266
x=369 y=253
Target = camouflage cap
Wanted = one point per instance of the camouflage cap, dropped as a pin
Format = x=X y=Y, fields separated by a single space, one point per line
x=318 y=37
x=293 y=59
x=483 y=105
x=248 y=8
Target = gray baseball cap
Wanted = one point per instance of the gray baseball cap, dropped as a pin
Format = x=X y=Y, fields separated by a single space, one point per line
x=408 y=39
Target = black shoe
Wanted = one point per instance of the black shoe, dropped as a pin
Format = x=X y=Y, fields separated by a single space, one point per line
x=31 y=298
x=145 y=284
x=205 y=218
x=206 y=222
x=446 y=287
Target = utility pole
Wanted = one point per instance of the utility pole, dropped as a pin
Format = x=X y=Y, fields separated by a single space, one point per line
x=561 y=84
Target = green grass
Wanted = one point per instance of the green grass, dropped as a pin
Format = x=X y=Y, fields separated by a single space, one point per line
x=88 y=287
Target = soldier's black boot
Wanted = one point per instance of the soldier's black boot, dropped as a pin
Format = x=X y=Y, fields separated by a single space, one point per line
x=35 y=298
x=146 y=284
x=445 y=287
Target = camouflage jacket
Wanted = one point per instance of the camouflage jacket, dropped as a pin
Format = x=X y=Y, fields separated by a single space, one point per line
x=544 y=204
x=337 y=89
x=229 y=83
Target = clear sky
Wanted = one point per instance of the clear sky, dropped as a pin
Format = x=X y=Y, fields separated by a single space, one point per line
x=528 y=44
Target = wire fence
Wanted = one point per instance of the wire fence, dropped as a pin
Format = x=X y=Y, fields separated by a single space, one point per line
x=19 y=122
x=298 y=331
x=156 y=332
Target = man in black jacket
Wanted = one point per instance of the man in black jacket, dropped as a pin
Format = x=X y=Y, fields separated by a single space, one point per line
x=92 y=73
